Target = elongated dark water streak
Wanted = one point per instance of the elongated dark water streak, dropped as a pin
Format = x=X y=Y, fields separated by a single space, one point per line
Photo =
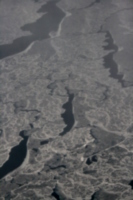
x=109 y=62
x=68 y=116
x=55 y=195
x=93 y=196
x=39 y=30
x=16 y=157
x=131 y=184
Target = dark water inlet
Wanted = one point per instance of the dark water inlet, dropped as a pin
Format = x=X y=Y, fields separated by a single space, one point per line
x=109 y=61
x=39 y=30
x=16 y=156
x=93 y=196
x=44 y=142
x=131 y=184
x=55 y=195
x=68 y=116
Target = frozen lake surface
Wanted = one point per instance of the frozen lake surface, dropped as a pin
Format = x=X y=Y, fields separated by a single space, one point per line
x=66 y=99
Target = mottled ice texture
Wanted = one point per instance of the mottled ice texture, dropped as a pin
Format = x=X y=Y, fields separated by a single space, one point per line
x=71 y=92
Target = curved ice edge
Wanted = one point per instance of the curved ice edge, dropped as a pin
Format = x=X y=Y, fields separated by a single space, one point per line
x=58 y=33
x=52 y=34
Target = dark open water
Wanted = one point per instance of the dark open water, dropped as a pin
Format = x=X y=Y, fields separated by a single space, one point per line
x=109 y=62
x=16 y=156
x=39 y=30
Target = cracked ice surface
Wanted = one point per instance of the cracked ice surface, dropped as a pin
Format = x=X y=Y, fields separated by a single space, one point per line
x=66 y=100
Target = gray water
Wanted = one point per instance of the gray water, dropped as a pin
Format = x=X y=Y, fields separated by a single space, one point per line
x=16 y=156
x=109 y=62
x=39 y=29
